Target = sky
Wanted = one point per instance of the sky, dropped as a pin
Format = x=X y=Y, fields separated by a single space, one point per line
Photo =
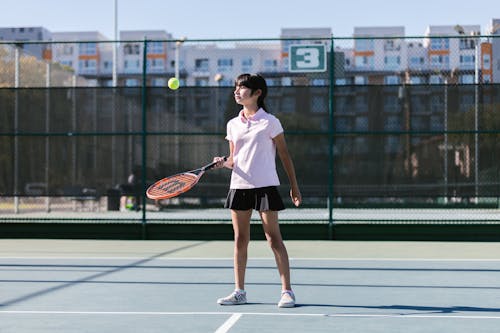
x=215 y=19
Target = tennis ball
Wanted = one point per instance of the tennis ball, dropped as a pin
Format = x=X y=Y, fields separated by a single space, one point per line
x=173 y=83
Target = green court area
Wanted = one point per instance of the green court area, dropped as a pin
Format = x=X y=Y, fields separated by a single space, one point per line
x=172 y=286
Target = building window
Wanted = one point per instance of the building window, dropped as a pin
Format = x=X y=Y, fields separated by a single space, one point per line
x=270 y=65
x=486 y=61
x=467 y=60
x=440 y=61
x=416 y=79
x=88 y=49
x=392 y=144
x=131 y=65
x=392 y=79
x=361 y=123
x=360 y=80
x=466 y=79
x=437 y=103
x=156 y=64
x=416 y=62
x=436 y=79
x=467 y=43
x=364 y=62
x=201 y=65
x=156 y=48
x=392 y=62
x=159 y=82
x=131 y=82
x=466 y=102
x=364 y=45
x=392 y=123
x=319 y=104
x=419 y=123
x=130 y=49
x=88 y=66
x=440 y=43
x=391 y=45
x=246 y=65
x=342 y=124
x=106 y=65
x=361 y=145
x=67 y=49
x=342 y=105
x=392 y=104
x=225 y=64
x=201 y=82
x=437 y=123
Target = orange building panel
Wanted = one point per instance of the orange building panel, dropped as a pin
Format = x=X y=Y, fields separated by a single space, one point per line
x=486 y=48
x=439 y=52
x=364 y=53
x=47 y=54
x=88 y=57
x=157 y=56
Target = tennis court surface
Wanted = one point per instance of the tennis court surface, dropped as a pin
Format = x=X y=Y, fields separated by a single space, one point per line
x=172 y=286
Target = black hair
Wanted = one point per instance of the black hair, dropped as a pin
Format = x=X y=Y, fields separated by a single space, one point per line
x=254 y=82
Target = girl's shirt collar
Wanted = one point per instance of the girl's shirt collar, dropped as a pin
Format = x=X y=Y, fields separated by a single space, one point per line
x=258 y=115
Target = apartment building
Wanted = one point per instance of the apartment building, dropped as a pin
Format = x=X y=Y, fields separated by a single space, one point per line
x=31 y=34
x=85 y=52
x=494 y=60
x=454 y=56
x=377 y=55
x=377 y=60
x=160 y=60
x=212 y=65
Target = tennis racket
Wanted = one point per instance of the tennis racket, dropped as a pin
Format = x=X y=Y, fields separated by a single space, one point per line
x=175 y=185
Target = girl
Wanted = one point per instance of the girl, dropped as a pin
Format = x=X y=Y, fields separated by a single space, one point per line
x=254 y=137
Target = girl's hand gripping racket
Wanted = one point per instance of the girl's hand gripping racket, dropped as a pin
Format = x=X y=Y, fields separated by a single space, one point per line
x=177 y=184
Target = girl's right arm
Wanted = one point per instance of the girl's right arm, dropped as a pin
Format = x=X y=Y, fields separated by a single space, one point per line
x=228 y=163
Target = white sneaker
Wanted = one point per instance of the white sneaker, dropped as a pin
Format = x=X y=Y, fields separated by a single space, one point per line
x=237 y=297
x=287 y=299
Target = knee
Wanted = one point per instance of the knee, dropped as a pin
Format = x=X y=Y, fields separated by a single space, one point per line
x=241 y=241
x=275 y=242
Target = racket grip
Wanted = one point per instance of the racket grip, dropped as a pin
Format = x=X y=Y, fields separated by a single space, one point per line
x=211 y=165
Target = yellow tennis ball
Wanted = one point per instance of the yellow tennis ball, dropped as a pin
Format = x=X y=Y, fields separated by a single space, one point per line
x=173 y=83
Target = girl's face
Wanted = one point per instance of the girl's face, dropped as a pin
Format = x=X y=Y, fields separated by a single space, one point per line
x=243 y=95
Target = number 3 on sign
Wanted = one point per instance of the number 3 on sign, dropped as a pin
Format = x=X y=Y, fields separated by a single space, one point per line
x=310 y=58
x=307 y=58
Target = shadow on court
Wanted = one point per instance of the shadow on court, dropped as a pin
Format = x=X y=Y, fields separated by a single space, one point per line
x=420 y=309
x=87 y=279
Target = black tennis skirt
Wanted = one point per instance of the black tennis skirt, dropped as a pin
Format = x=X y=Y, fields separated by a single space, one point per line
x=260 y=199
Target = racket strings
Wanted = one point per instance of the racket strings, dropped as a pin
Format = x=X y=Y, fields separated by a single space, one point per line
x=173 y=185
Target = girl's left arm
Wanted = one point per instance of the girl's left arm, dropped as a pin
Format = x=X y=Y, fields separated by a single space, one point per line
x=287 y=162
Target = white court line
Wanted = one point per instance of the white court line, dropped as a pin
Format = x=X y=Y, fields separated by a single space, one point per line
x=253 y=258
x=277 y=314
x=229 y=323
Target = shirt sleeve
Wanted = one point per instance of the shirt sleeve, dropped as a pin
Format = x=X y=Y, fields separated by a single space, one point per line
x=229 y=134
x=275 y=127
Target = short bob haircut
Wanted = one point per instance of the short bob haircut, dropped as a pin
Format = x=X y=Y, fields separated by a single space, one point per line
x=254 y=82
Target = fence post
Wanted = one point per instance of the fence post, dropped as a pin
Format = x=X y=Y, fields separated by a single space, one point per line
x=47 y=137
x=330 y=140
x=144 y=134
x=16 y=127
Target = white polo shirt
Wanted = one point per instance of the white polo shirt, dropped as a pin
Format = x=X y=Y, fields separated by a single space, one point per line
x=254 y=153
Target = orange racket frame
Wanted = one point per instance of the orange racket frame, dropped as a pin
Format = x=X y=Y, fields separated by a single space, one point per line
x=175 y=185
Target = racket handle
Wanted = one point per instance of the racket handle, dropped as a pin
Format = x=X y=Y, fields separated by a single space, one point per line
x=211 y=165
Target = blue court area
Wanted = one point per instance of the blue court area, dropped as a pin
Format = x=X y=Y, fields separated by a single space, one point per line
x=172 y=286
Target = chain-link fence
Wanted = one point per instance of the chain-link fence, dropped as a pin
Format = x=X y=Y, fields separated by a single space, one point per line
x=385 y=122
